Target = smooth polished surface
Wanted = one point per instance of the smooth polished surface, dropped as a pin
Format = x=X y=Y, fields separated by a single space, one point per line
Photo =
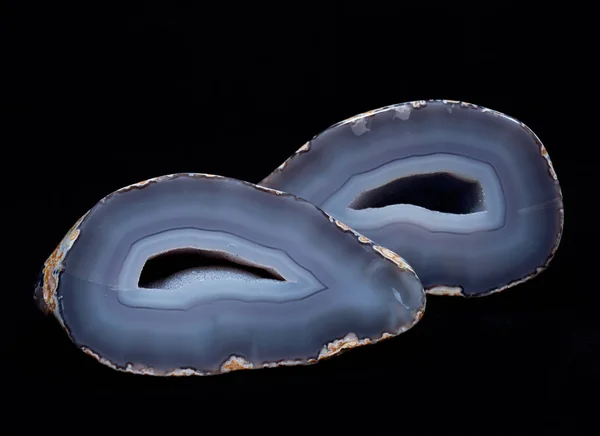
x=281 y=282
x=467 y=195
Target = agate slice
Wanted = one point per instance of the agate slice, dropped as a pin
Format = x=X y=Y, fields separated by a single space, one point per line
x=466 y=194
x=194 y=274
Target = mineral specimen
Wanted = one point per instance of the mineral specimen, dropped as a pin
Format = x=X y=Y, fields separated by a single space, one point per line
x=467 y=195
x=199 y=274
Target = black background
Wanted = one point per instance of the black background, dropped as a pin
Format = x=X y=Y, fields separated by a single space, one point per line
x=99 y=99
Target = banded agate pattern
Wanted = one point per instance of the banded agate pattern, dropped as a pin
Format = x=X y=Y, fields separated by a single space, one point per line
x=467 y=195
x=280 y=282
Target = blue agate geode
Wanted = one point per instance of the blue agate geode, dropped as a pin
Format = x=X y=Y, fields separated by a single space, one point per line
x=467 y=195
x=195 y=274
x=250 y=278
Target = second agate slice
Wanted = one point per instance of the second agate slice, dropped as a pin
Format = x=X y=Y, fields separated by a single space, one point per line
x=467 y=195
x=194 y=274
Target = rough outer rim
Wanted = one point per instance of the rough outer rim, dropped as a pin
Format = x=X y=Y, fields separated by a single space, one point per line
x=442 y=289
x=54 y=266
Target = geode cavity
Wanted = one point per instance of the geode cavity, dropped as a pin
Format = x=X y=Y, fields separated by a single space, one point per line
x=198 y=274
x=466 y=194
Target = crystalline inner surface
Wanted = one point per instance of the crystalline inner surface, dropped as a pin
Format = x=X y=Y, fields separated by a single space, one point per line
x=177 y=268
x=442 y=192
x=491 y=199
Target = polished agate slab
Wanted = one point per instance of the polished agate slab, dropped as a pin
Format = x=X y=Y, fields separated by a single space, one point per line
x=466 y=194
x=250 y=278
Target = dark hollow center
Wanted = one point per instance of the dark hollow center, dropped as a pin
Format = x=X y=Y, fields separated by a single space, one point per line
x=441 y=192
x=158 y=269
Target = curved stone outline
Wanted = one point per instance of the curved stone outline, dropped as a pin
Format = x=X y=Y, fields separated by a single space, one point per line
x=360 y=125
x=46 y=294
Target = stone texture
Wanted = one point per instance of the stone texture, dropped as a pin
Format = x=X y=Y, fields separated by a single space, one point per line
x=467 y=195
x=330 y=289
